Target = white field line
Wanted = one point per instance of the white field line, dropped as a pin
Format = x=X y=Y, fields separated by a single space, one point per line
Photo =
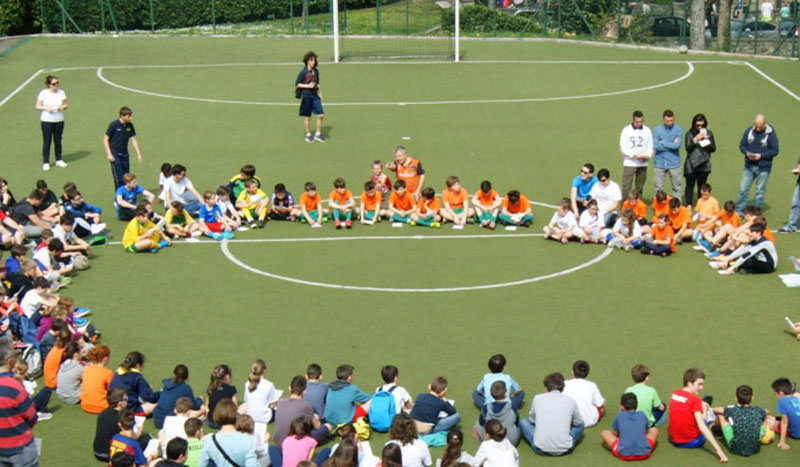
x=773 y=81
x=19 y=88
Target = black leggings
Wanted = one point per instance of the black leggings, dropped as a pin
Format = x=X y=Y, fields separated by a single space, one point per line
x=51 y=130
x=697 y=178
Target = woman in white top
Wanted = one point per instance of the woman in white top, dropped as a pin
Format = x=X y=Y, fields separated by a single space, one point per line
x=52 y=101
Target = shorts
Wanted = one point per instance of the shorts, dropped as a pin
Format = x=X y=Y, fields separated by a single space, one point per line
x=309 y=105
x=132 y=248
x=458 y=211
x=615 y=453
x=214 y=226
x=359 y=412
x=695 y=443
x=368 y=215
x=279 y=216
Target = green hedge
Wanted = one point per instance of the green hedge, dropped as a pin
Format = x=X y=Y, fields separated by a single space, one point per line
x=19 y=17
x=481 y=19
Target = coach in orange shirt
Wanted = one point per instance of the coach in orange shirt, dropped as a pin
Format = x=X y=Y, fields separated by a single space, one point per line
x=409 y=170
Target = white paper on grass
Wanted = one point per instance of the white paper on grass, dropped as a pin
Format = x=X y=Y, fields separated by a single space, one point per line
x=457 y=226
x=511 y=228
x=397 y=224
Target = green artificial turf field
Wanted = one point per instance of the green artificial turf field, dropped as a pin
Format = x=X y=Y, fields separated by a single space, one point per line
x=202 y=304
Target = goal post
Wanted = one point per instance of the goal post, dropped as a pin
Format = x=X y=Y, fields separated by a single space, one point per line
x=396 y=30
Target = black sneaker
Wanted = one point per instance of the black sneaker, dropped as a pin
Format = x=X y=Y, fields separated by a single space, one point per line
x=260 y=223
x=309 y=139
x=786 y=229
x=320 y=138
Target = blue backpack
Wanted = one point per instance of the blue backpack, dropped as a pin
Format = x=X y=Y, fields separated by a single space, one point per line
x=381 y=410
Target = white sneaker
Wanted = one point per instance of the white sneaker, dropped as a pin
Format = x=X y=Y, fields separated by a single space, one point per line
x=714 y=265
x=42 y=416
x=61 y=164
x=97 y=228
x=45 y=167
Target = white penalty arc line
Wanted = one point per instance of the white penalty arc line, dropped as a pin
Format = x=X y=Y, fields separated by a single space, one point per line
x=688 y=73
x=236 y=261
x=773 y=81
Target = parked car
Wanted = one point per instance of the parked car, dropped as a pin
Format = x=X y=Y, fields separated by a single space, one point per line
x=668 y=26
x=765 y=30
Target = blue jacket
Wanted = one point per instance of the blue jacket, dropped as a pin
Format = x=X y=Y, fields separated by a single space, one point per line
x=764 y=143
x=667 y=142
x=340 y=401
x=80 y=211
x=169 y=395
x=135 y=387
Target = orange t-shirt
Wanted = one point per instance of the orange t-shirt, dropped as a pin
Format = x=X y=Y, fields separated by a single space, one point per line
x=409 y=172
x=428 y=206
x=768 y=235
x=94 y=387
x=340 y=199
x=50 y=366
x=659 y=208
x=639 y=208
x=520 y=206
x=486 y=199
x=729 y=218
x=371 y=204
x=403 y=203
x=311 y=203
x=455 y=200
x=666 y=234
x=707 y=207
x=679 y=219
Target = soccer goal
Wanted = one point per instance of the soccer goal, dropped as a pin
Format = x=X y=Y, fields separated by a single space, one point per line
x=396 y=29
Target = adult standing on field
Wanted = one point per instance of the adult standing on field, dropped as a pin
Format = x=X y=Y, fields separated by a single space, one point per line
x=759 y=144
x=636 y=146
x=667 y=144
x=118 y=133
x=409 y=170
x=52 y=101
x=17 y=447
x=699 y=146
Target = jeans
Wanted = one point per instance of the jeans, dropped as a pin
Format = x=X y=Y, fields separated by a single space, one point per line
x=28 y=457
x=480 y=400
x=610 y=219
x=528 y=429
x=192 y=206
x=444 y=424
x=51 y=130
x=794 y=211
x=750 y=174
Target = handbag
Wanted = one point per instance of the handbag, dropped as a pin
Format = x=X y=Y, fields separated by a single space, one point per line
x=697 y=158
x=222 y=451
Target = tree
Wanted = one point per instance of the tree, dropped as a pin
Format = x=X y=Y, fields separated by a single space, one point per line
x=723 y=25
x=697 y=39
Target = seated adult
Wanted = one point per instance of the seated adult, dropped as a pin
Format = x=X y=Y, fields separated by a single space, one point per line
x=554 y=424
x=581 y=187
x=25 y=214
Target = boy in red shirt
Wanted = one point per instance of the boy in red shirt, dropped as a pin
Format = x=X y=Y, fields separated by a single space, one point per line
x=662 y=240
x=341 y=204
x=687 y=425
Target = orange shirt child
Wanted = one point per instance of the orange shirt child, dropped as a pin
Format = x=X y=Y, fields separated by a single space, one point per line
x=428 y=207
x=402 y=203
x=520 y=206
x=456 y=200
x=340 y=199
x=664 y=234
x=638 y=207
x=706 y=209
x=370 y=203
x=486 y=199
x=50 y=366
x=94 y=387
x=728 y=218
x=768 y=235
x=311 y=203
x=659 y=208
x=679 y=219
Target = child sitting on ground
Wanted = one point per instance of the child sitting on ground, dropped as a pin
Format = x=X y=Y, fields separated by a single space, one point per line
x=403 y=432
x=341 y=204
x=125 y=440
x=453 y=454
x=282 y=203
x=742 y=425
x=636 y=206
x=344 y=402
x=736 y=236
x=516 y=210
x=660 y=205
x=382 y=182
x=212 y=222
x=626 y=233
x=427 y=210
x=789 y=410
x=630 y=439
x=562 y=224
x=141 y=234
x=310 y=207
x=125 y=197
x=706 y=207
x=428 y=407
x=502 y=410
x=688 y=415
x=590 y=226
x=680 y=219
x=662 y=239
x=193 y=428
x=73 y=245
x=370 y=201
x=238 y=182
x=585 y=393
x=497 y=366
x=647 y=400
x=712 y=233
x=252 y=202
x=87 y=216
x=758 y=256
x=164 y=174
x=455 y=203
x=401 y=204
x=487 y=205
x=223 y=199
x=497 y=450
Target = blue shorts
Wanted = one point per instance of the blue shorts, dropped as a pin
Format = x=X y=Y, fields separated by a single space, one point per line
x=309 y=105
x=695 y=443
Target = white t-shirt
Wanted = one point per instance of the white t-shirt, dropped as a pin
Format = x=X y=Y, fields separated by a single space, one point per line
x=562 y=222
x=766 y=10
x=605 y=195
x=496 y=454
x=588 y=398
x=179 y=191
x=31 y=303
x=401 y=396
x=465 y=457
x=635 y=141
x=42 y=255
x=625 y=230
x=51 y=100
x=61 y=234
x=173 y=428
x=415 y=453
x=590 y=220
x=258 y=401
x=162 y=182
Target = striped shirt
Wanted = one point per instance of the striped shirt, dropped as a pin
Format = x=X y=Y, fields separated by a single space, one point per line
x=17 y=416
